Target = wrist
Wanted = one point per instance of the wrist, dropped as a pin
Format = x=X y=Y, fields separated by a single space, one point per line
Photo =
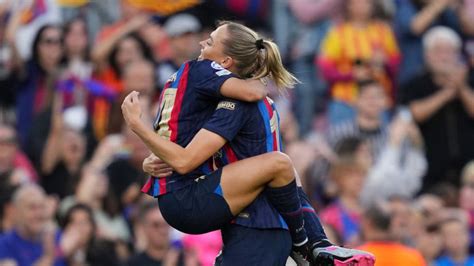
x=137 y=126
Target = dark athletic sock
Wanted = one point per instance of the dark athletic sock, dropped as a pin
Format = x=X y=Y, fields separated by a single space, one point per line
x=312 y=224
x=286 y=201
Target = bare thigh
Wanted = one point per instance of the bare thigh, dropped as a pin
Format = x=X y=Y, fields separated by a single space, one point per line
x=244 y=180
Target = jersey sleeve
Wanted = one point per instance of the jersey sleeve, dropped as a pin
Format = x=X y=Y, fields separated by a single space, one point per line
x=228 y=118
x=208 y=77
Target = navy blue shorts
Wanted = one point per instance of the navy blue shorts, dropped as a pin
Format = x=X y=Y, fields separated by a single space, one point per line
x=254 y=247
x=198 y=208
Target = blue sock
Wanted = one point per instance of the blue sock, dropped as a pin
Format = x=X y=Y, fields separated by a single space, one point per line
x=312 y=225
x=286 y=201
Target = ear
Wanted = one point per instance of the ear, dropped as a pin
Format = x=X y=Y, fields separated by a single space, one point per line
x=227 y=62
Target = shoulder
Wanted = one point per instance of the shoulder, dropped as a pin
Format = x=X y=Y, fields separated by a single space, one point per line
x=203 y=68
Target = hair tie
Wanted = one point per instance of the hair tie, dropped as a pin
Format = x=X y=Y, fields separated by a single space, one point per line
x=259 y=44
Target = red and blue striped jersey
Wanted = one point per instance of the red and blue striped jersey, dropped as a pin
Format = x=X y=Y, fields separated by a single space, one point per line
x=251 y=129
x=187 y=101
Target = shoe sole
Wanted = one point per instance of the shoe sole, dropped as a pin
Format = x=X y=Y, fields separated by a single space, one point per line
x=357 y=260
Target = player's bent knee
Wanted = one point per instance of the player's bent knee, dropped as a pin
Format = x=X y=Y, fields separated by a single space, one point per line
x=282 y=165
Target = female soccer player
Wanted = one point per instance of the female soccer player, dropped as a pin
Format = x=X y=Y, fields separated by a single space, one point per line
x=194 y=203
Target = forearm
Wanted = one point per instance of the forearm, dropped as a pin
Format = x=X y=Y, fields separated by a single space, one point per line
x=170 y=152
x=425 y=108
x=249 y=90
x=103 y=48
x=50 y=154
x=425 y=18
x=331 y=73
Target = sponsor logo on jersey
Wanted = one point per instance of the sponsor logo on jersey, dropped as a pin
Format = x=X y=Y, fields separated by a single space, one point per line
x=173 y=77
x=226 y=105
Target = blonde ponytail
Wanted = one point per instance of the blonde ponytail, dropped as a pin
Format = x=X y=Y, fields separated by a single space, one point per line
x=256 y=57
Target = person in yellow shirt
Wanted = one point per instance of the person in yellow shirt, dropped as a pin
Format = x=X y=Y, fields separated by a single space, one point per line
x=360 y=47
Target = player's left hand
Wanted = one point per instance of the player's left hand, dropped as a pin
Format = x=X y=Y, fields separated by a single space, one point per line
x=131 y=109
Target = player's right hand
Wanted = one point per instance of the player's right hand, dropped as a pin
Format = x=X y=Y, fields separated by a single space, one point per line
x=154 y=166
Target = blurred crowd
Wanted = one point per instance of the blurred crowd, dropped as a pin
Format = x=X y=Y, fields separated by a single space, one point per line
x=380 y=129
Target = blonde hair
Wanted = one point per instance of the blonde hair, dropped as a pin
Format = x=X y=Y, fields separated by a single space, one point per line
x=254 y=60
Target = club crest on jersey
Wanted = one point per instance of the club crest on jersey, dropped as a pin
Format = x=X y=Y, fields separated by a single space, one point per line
x=173 y=77
x=226 y=105
x=216 y=66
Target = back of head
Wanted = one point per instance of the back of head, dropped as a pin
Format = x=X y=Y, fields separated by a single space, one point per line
x=378 y=216
x=348 y=146
x=255 y=57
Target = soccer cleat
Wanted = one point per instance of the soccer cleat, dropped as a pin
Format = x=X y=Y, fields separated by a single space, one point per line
x=302 y=255
x=339 y=256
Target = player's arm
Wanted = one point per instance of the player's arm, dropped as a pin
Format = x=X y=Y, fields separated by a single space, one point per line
x=216 y=82
x=248 y=90
x=182 y=160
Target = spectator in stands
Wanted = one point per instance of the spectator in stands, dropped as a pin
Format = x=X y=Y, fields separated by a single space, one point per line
x=156 y=232
x=466 y=197
x=125 y=170
x=32 y=241
x=441 y=100
x=376 y=230
x=139 y=76
x=63 y=154
x=7 y=210
x=396 y=161
x=184 y=35
x=93 y=190
x=77 y=49
x=81 y=241
x=15 y=168
x=359 y=48
x=456 y=237
x=345 y=212
x=412 y=19
x=429 y=243
x=306 y=21
x=10 y=64
x=39 y=76
x=96 y=14
x=125 y=50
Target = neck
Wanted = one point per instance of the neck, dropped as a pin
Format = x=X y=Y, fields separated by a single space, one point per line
x=350 y=202
x=76 y=57
x=48 y=67
x=459 y=255
x=7 y=224
x=26 y=235
x=157 y=253
x=368 y=123
x=377 y=236
x=360 y=22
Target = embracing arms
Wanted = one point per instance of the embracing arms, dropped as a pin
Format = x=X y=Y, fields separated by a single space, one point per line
x=182 y=160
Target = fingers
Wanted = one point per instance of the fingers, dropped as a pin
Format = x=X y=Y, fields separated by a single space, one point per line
x=131 y=98
x=159 y=169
